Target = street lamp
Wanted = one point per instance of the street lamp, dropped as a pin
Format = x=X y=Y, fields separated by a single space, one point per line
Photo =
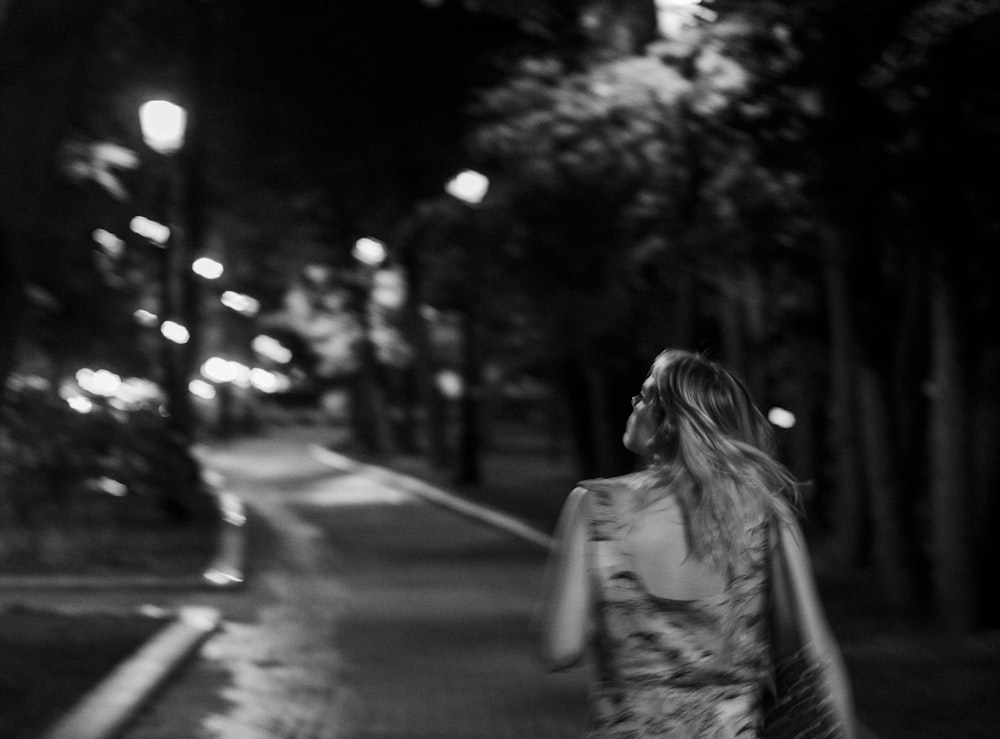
x=370 y=252
x=371 y=412
x=163 y=125
x=470 y=187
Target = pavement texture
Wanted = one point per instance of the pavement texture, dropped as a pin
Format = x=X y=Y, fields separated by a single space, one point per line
x=375 y=606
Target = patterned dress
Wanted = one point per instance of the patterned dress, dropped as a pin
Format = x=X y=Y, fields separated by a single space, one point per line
x=684 y=669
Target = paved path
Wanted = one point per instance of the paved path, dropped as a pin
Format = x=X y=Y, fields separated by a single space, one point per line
x=369 y=612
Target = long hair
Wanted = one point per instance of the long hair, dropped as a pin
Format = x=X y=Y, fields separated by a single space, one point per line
x=716 y=449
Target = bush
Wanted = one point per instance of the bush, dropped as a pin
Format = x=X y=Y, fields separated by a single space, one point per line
x=87 y=490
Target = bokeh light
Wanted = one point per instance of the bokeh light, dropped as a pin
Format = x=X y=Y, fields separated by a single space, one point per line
x=369 y=251
x=208 y=268
x=175 y=332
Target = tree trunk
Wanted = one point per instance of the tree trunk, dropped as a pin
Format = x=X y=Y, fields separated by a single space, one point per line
x=469 y=466
x=986 y=476
x=753 y=299
x=377 y=429
x=731 y=323
x=585 y=400
x=434 y=416
x=430 y=433
x=949 y=464
x=848 y=513
x=890 y=543
x=176 y=295
x=11 y=291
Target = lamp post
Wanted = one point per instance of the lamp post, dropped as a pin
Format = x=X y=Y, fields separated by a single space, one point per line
x=163 y=125
x=372 y=419
x=470 y=187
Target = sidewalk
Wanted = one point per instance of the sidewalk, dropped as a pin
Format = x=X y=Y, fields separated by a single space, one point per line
x=436 y=633
x=386 y=614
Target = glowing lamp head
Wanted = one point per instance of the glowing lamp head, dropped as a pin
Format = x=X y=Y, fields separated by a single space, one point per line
x=369 y=251
x=163 y=124
x=469 y=186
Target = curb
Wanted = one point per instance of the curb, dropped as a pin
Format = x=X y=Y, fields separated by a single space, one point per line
x=107 y=708
x=477 y=511
x=105 y=711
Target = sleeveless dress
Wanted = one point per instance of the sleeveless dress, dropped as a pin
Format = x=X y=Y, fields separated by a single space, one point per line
x=683 y=669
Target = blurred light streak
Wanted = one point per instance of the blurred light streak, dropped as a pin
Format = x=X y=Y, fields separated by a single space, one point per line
x=207 y=268
x=269 y=382
x=175 y=332
x=144 y=317
x=203 y=618
x=102 y=382
x=450 y=384
x=136 y=391
x=232 y=509
x=240 y=303
x=156 y=232
x=242 y=372
x=80 y=404
x=218 y=369
x=220 y=576
x=202 y=389
x=271 y=348
x=17 y=382
x=369 y=251
x=112 y=245
x=111 y=487
x=153 y=611
x=389 y=289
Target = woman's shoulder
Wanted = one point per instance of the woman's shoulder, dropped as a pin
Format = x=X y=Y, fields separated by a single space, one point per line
x=622 y=484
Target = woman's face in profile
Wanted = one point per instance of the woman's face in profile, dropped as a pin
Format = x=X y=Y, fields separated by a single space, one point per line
x=643 y=422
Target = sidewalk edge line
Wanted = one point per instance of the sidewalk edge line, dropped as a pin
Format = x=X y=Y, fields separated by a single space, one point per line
x=114 y=702
x=471 y=509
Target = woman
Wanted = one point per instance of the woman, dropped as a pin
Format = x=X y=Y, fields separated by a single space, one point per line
x=663 y=573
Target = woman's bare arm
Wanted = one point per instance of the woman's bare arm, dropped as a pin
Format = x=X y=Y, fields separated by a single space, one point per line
x=562 y=618
x=816 y=624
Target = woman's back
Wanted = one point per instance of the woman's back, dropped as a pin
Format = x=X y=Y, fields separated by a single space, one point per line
x=681 y=647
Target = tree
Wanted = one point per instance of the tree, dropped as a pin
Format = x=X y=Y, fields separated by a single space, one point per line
x=37 y=86
x=943 y=158
x=890 y=194
x=791 y=150
x=637 y=188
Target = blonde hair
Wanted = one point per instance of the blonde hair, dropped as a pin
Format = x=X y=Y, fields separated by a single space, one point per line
x=715 y=449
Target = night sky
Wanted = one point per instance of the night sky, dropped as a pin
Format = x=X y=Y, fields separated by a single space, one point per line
x=363 y=91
